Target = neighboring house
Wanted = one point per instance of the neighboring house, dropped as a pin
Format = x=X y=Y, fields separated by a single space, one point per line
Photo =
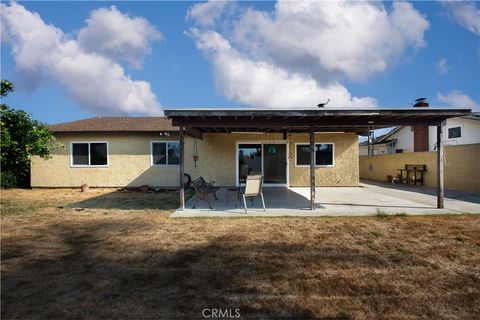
x=134 y=151
x=457 y=131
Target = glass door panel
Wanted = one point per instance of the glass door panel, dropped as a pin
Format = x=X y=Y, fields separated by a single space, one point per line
x=275 y=163
x=249 y=160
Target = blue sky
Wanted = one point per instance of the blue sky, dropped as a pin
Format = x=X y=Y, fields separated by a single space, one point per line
x=72 y=60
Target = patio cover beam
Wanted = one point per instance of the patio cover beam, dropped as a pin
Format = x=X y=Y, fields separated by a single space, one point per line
x=440 y=168
x=312 y=168
x=182 y=168
x=262 y=122
x=315 y=112
x=194 y=133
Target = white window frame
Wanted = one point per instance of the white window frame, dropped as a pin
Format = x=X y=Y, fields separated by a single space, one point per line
x=315 y=155
x=88 y=165
x=454 y=126
x=166 y=149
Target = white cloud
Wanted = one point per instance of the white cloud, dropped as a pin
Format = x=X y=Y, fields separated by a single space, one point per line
x=312 y=45
x=117 y=35
x=261 y=84
x=94 y=80
x=442 y=66
x=206 y=14
x=457 y=98
x=465 y=13
x=357 y=38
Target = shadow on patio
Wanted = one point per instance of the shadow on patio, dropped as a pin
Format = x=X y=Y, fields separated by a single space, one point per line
x=275 y=198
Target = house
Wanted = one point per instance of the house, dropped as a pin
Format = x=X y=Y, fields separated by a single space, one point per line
x=458 y=131
x=134 y=151
x=301 y=147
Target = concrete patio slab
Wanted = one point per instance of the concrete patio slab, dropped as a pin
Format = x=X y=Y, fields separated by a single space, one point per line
x=368 y=199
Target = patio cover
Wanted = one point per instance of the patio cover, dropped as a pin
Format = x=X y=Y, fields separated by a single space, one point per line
x=360 y=121
x=300 y=120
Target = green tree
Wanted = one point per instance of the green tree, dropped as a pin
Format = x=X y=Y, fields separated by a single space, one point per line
x=21 y=138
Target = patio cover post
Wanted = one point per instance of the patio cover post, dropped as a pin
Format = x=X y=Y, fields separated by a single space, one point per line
x=312 y=168
x=440 y=163
x=182 y=161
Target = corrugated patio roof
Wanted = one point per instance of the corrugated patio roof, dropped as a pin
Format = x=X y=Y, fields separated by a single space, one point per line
x=116 y=124
x=300 y=120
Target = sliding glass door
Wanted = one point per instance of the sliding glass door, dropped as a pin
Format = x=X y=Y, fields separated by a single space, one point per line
x=275 y=163
x=249 y=160
x=269 y=159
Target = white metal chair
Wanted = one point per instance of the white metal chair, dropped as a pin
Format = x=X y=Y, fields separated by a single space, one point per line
x=253 y=188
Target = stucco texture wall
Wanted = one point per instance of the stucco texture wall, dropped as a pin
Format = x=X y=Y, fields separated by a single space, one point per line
x=462 y=166
x=218 y=158
x=129 y=164
x=129 y=161
x=218 y=155
x=343 y=173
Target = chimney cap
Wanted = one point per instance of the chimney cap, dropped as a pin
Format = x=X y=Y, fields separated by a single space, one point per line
x=420 y=99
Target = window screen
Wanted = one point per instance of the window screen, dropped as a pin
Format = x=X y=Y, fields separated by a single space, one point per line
x=98 y=154
x=303 y=155
x=324 y=154
x=166 y=153
x=159 y=153
x=80 y=154
x=173 y=153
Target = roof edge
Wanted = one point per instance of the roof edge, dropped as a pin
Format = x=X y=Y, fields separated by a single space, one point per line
x=246 y=109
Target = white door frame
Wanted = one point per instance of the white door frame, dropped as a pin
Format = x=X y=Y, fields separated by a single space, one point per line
x=262 y=142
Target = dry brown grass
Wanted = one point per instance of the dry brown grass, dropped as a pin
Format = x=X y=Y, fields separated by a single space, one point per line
x=107 y=262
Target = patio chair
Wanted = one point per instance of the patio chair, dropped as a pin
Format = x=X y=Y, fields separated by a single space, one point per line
x=202 y=191
x=210 y=185
x=253 y=188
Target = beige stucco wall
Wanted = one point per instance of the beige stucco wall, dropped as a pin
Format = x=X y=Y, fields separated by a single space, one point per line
x=129 y=161
x=218 y=158
x=462 y=166
x=129 y=164
x=344 y=172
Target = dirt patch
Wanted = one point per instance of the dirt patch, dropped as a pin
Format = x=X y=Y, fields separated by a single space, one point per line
x=122 y=257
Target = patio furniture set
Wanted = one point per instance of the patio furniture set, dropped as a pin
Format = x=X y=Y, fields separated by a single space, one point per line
x=413 y=173
x=252 y=187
